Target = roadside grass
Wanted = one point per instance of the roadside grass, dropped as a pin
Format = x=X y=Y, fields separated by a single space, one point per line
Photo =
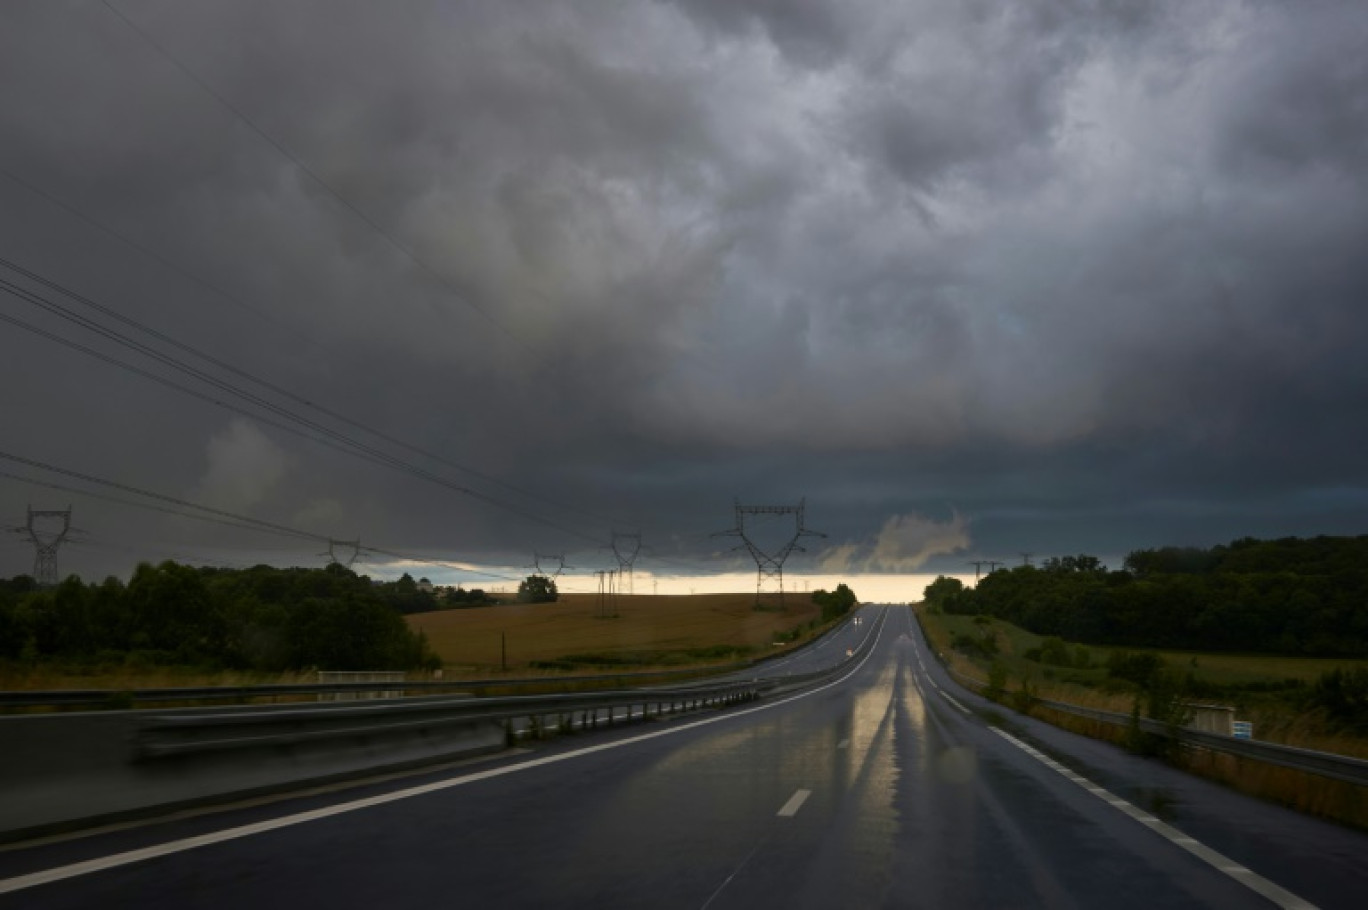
x=1257 y=687
x=648 y=632
x=1262 y=688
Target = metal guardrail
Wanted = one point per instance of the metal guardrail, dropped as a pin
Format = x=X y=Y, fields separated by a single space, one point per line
x=186 y=733
x=66 y=698
x=1326 y=764
x=161 y=736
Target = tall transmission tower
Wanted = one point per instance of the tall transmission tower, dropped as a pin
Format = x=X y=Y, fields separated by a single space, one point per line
x=625 y=548
x=350 y=550
x=978 y=565
x=993 y=566
x=1026 y=558
x=769 y=563
x=549 y=558
x=46 y=540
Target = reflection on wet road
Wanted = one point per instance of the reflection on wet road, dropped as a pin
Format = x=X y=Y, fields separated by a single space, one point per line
x=886 y=788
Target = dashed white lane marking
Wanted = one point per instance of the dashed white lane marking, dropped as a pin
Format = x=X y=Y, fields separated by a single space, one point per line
x=794 y=804
x=99 y=864
x=843 y=744
x=1247 y=877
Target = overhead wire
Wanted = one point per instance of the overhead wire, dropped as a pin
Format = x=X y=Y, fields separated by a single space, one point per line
x=162 y=337
x=241 y=521
x=341 y=442
x=322 y=433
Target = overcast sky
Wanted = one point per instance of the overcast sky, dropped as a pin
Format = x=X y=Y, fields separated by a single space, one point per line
x=972 y=278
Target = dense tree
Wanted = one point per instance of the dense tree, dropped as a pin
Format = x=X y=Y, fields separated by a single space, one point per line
x=537 y=589
x=835 y=604
x=261 y=618
x=1287 y=596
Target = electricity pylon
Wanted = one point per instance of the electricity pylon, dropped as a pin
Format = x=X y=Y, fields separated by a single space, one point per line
x=625 y=548
x=46 y=542
x=978 y=565
x=548 y=558
x=769 y=566
x=351 y=549
x=607 y=593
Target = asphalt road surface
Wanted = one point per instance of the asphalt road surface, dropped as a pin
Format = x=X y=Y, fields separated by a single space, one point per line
x=889 y=787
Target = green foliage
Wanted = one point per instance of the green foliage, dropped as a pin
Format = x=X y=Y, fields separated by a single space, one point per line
x=984 y=644
x=1163 y=697
x=1024 y=698
x=943 y=594
x=1139 y=669
x=537 y=589
x=461 y=597
x=1343 y=696
x=997 y=679
x=1289 y=596
x=1052 y=651
x=835 y=604
x=403 y=596
x=261 y=618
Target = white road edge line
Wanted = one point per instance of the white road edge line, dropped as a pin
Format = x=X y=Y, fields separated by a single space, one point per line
x=950 y=698
x=794 y=804
x=99 y=864
x=1247 y=877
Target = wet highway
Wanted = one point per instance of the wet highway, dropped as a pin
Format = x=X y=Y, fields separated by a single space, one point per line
x=888 y=787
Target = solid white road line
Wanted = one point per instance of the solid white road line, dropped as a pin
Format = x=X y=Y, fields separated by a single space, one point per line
x=794 y=804
x=1246 y=877
x=73 y=870
x=950 y=698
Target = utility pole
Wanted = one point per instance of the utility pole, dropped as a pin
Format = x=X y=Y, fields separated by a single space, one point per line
x=993 y=566
x=46 y=541
x=1026 y=558
x=978 y=565
x=769 y=564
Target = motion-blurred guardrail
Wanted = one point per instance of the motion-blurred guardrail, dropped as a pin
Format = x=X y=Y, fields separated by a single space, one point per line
x=100 y=698
x=179 y=734
x=68 y=770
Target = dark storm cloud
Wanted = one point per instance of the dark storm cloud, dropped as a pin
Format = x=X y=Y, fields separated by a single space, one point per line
x=1044 y=276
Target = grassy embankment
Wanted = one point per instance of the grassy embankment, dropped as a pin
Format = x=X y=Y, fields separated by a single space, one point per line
x=1265 y=689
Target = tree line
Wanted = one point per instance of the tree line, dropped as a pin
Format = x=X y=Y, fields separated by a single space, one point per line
x=1289 y=596
x=262 y=618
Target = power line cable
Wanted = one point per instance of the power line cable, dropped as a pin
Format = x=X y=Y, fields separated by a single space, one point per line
x=131 y=503
x=254 y=523
x=333 y=438
x=250 y=377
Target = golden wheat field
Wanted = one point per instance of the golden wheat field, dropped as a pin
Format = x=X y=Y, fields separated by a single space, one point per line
x=647 y=630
